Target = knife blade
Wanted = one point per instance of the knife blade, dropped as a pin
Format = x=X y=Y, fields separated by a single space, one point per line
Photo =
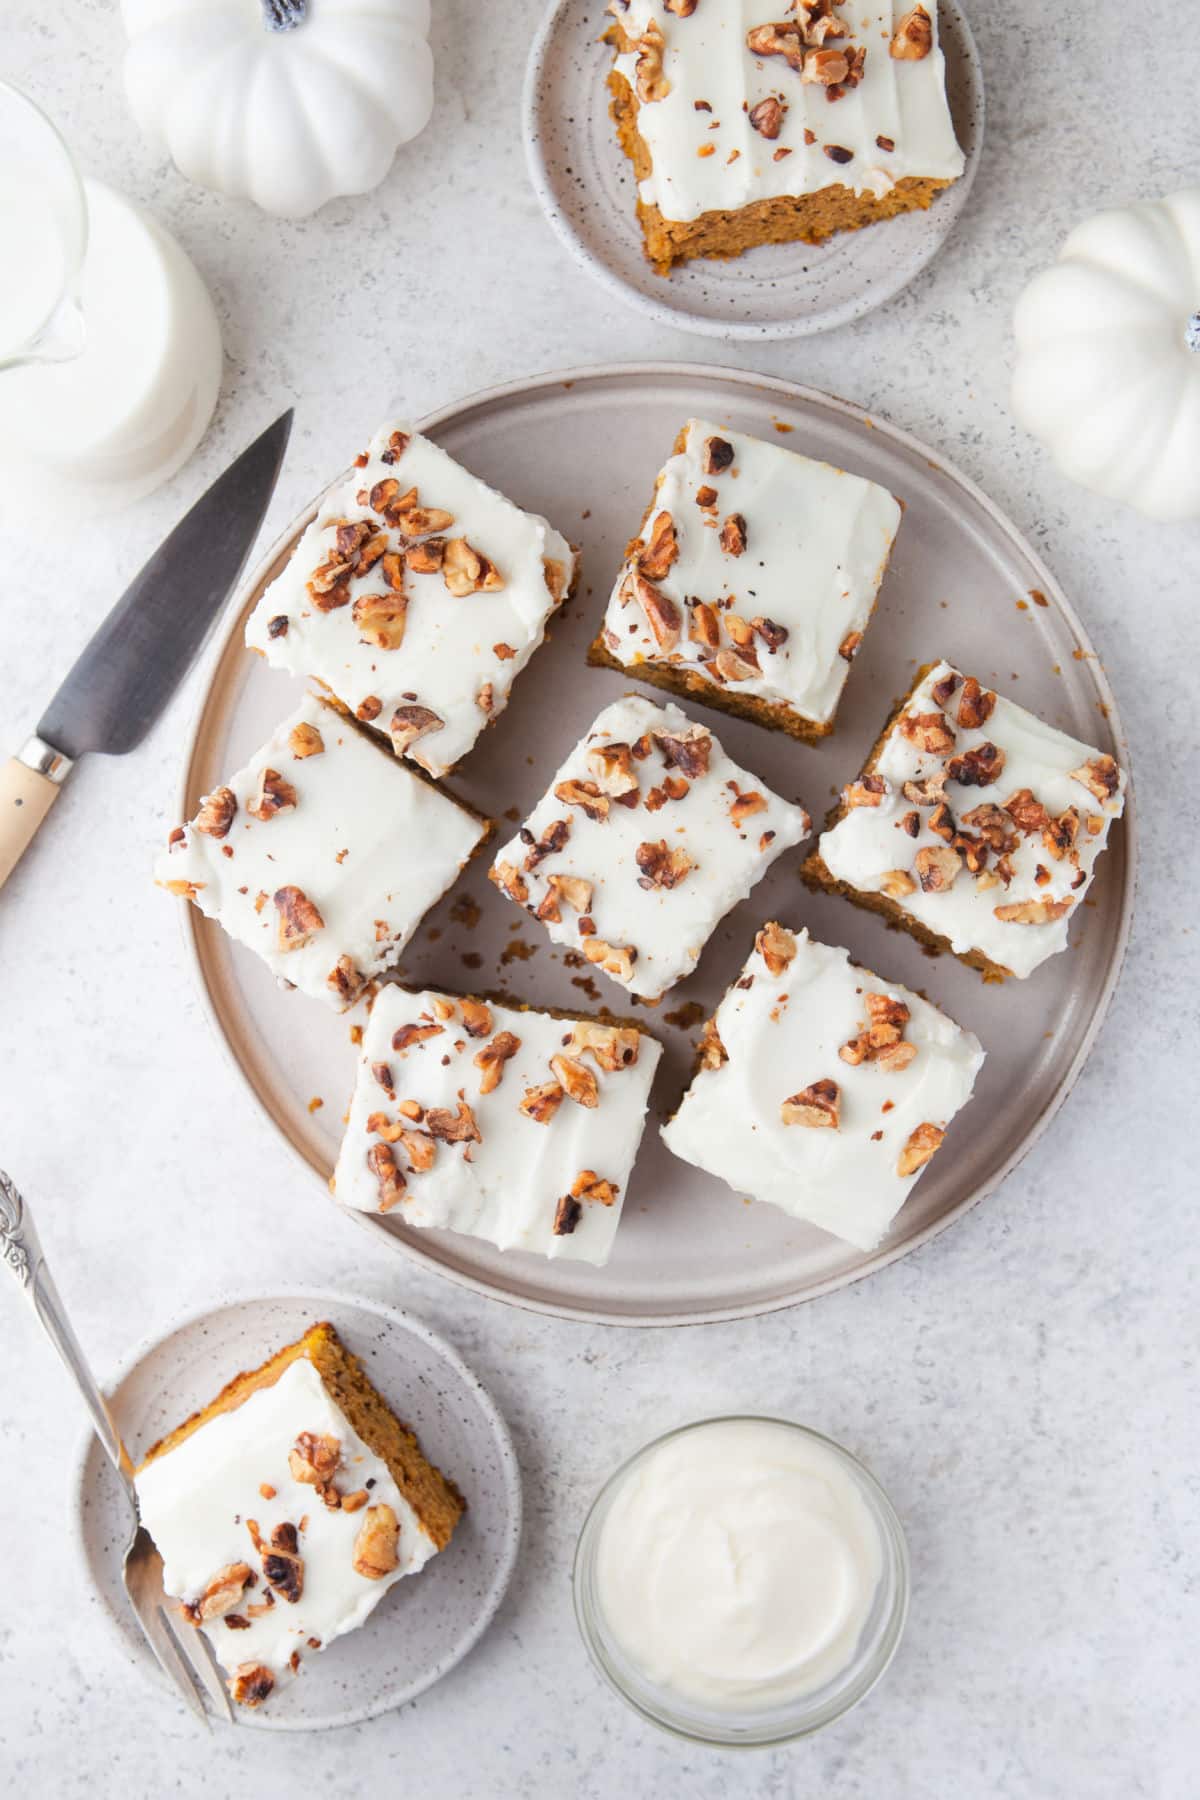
x=120 y=685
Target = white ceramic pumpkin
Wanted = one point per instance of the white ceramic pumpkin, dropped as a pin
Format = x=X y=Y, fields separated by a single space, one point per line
x=1108 y=356
x=285 y=102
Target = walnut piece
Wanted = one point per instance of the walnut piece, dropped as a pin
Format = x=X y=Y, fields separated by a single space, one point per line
x=506 y=875
x=661 y=549
x=614 y=959
x=717 y=455
x=849 y=646
x=929 y=731
x=576 y=1080
x=299 y=919
x=217 y=812
x=613 y=1046
x=651 y=83
x=377 y=1546
x=453 y=1127
x=221 y=1595
x=815 y=1106
x=491 y=1059
x=1032 y=912
x=380 y=619
x=733 y=535
x=976 y=706
x=314 y=1458
x=978 y=767
x=612 y=765
x=896 y=884
x=868 y=790
x=251 y=1683
x=467 y=571
x=776 y=945
x=410 y=723
x=382 y=1164
x=711 y=1051
x=768 y=116
x=541 y=1103
x=660 y=866
x=688 y=750
x=282 y=1564
x=591 y=1187
x=1100 y=776
x=346 y=979
x=568 y=890
x=918 y=1148
x=662 y=614
x=476 y=1018
x=586 y=795
x=272 y=795
x=567 y=1215
x=913 y=38
x=305 y=740
x=745 y=806
x=938 y=867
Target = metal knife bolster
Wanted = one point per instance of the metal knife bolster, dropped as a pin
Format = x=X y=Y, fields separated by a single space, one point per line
x=45 y=760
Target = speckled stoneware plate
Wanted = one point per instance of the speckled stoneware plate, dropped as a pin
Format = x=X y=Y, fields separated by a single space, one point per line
x=583 y=448
x=425 y=1624
x=587 y=189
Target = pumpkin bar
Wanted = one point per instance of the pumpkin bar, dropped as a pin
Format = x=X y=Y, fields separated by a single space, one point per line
x=648 y=835
x=322 y=855
x=823 y=1089
x=726 y=109
x=752 y=581
x=286 y=1509
x=504 y=1123
x=974 y=824
x=416 y=596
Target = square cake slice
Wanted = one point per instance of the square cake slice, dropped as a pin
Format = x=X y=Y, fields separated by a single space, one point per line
x=823 y=1089
x=648 y=835
x=974 y=825
x=752 y=581
x=286 y=1509
x=516 y=1126
x=322 y=855
x=726 y=110
x=415 y=597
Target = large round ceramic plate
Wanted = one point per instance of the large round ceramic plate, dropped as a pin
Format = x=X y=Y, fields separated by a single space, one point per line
x=583 y=448
x=424 y=1625
x=588 y=192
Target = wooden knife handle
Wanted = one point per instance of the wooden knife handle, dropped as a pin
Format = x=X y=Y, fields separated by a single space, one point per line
x=25 y=799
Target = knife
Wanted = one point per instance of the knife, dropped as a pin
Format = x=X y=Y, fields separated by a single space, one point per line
x=122 y=682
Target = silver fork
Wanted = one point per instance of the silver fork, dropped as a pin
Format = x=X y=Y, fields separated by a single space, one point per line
x=187 y=1657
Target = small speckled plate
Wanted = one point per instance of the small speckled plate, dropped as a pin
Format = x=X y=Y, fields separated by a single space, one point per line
x=423 y=1626
x=587 y=189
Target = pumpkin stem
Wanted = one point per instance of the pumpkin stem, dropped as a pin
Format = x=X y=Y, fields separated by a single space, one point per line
x=1191 y=333
x=283 y=15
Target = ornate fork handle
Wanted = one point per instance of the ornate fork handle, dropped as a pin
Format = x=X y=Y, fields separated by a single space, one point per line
x=22 y=1253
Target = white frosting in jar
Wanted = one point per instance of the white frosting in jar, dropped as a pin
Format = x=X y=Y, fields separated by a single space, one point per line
x=816 y=543
x=737 y=1565
x=871 y=843
x=457 y=654
x=644 y=928
x=782 y=1032
x=706 y=59
x=196 y=1499
x=368 y=843
x=507 y=1184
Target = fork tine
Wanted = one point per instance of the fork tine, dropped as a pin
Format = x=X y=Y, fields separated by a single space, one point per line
x=165 y=1645
x=202 y=1664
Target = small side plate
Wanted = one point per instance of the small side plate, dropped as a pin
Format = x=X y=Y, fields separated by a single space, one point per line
x=589 y=194
x=446 y=1608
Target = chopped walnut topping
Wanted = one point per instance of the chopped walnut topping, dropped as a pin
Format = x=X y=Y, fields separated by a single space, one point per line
x=541 y=1103
x=1026 y=812
x=829 y=68
x=299 y=920
x=425 y=558
x=930 y=731
x=217 y=812
x=927 y=792
x=976 y=706
x=774 y=636
x=272 y=795
x=918 y=1148
x=314 y=1458
x=369 y=709
x=251 y=1683
x=382 y=1164
x=613 y=1046
x=768 y=116
x=405 y=1036
x=913 y=37
x=467 y=571
x=1032 y=912
x=492 y=1058
x=745 y=806
x=552 y=840
x=419 y=1148
x=978 y=767
x=221 y=1595
x=662 y=614
x=687 y=750
x=945 y=689
x=994 y=825
x=938 y=867
x=733 y=535
x=868 y=790
x=569 y=890
x=506 y=875
x=576 y=1080
x=651 y=83
x=1059 y=835
x=346 y=979
x=706 y=498
x=410 y=723
x=476 y=1018
x=612 y=765
x=282 y=1564
x=567 y=1215
x=736 y=665
x=661 y=549
x=849 y=646
x=776 y=945
x=453 y=1127
x=717 y=455
x=941 y=822
x=305 y=740
x=376 y=1548
x=586 y=795
x=278 y=626
x=660 y=866
x=380 y=619
x=1100 y=776
x=614 y=959
x=683 y=9
x=815 y=1106
x=896 y=884
x=784 y=39
x=590 y=1187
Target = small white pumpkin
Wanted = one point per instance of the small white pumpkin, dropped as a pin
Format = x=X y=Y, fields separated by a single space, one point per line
x=285 y=102
x=1108 y=356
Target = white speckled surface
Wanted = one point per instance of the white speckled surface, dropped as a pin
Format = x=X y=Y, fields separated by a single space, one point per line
x=1024 y=1386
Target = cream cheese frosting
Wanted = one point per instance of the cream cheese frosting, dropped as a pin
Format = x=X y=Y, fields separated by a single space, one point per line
x=894 y=124
x=980 y=821
x=770 y=563
x=498 y=1122
x=322 y=855
x=416 y=596
x=824 y=1090
x=207 y=1506
x=648 y=835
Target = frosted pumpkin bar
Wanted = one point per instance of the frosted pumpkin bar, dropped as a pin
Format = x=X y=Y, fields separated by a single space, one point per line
x=823 y=1089
x=415 y=597
x=322 y=855
x=974 y=824
x=648 y=835
x=752 y=581
x=286 y=1509
x=750 y=122
x=516 y=1126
